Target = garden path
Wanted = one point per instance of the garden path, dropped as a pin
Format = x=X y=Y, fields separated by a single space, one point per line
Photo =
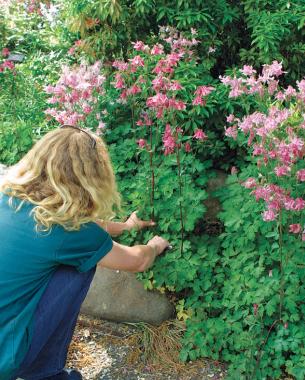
x=105 y=350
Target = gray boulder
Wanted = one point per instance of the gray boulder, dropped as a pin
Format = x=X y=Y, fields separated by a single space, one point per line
x=119 y=296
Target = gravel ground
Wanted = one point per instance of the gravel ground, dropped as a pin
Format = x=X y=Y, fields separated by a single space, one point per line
x=112 y=351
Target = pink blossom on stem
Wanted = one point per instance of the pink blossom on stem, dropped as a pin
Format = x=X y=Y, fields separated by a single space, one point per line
x=295 y=228
x=169 y=142
x=119 y=81
x=204 y=90
x=141 y=143
x=250 y=183
x=157 y=49
x=230 y=118
x=269 y=215
x=139 y=45
x=200 y=135
x=5 y=52
x=299 y=204
x=101 y=125
x=137 y=61
x=281 y=171
x=301 y=175
x=187 y=147
x=8 y=65
x=247 y=70
x=231 y=132
x=120 y=65
x=198 y=101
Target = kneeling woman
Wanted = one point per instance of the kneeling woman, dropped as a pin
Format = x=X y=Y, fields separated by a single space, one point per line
x=55 y=207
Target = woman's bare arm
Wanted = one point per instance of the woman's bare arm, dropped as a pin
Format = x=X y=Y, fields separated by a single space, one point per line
x=117 y=228
x=134 y=259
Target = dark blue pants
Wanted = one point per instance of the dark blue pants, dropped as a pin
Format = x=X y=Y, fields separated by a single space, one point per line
x=54 y=322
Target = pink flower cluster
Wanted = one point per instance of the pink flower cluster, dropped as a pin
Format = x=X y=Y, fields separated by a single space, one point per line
x=6 y=64
x=277 y=199
x=249 y=83
x=33 y=6
x=77 y=45
x=150 y=77
x=277 y=139
x=74 y=97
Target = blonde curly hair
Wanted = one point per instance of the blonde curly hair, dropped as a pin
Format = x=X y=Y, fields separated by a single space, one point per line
x=70 y=181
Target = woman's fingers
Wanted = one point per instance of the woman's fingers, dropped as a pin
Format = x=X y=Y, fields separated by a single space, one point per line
x=138 y=223
x=160 y=243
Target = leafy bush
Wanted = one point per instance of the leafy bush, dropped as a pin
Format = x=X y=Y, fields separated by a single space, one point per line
x=15 y=141
x=247 y=31
x=257 y=308
x=251 y=312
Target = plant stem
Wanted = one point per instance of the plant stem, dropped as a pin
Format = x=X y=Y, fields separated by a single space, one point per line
x=281 y=265
x=180 y=196
x=152 y=193
x=259 y=355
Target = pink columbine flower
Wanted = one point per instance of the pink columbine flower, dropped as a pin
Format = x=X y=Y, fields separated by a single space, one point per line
x=101 y=125
x=281 y=171
x=8 y=65
x=198 y=101
x=175 y=86
x=299 y=204
x=119 y=81
x=141 y=143
x=204 y=90
x=157 y=49
x=139 y=45
x=231 y=132
x=120 y=65
x=211 y=50
x=301 y=175
x=289 y=92
x=200 y=135
x=230 y=118
x=250 y=183
x=5 y=52
x=169 y=142
x=137 y=61
x=269 y=215
x=87 y=109
x=247 y=70
x=187 y=147
x=133 y=90
x=295 y=228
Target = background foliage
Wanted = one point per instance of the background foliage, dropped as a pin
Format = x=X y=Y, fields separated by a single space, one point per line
x=227 y=285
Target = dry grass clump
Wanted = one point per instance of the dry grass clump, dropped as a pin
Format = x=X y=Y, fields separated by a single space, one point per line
x=158 y=347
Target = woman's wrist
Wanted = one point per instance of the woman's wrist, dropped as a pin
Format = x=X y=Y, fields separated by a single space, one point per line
x=154 y=249
x=129 y=225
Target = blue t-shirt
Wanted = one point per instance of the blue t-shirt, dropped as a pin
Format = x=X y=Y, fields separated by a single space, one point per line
x=27 y=261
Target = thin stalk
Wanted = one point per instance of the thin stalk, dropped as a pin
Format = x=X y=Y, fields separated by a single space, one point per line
x=152 y=171
x=281 y=266
x=260 y=352
x=180 y=196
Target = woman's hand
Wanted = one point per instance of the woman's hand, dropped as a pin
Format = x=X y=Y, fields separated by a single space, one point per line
x=158 y=244
x=134 y=222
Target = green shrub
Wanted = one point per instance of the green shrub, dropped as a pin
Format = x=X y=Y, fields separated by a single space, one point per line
x=15 y=141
